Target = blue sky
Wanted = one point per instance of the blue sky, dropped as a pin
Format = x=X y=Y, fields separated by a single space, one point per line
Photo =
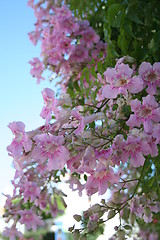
x=20 y=96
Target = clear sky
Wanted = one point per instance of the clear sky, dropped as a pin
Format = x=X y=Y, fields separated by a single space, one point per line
x=20 y=96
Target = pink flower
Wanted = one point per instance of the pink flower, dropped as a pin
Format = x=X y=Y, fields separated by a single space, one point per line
x=34 y=37
x=120 y=80
x=75 y=185
x=89 y=37
x=41 y=201
x=49 y=147
x=151 y=76
x=54 y=57
x=31 y=191
x=117 y=150
x=50 y=104
x=146 y=113
x=30 y=219
x=134 y=148
x=88 y=162
x=78 y=121
x=100 y=180
x=156 y=133
x=144 y=210
x=64 y=45
x=30 y=3
x=20 y=141
x=83 y=25
x=154 y=147
x=59 y=159
x=80 y=54
x=67 y=24
x=37 y=69
x=12 y=233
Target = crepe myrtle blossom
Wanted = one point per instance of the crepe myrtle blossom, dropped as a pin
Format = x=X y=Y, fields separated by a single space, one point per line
x=146 y=113
x=120 y=80
x=151 y=76
x=49 y=147
x=12 y=233
x=20 y=142
x=30 y=219
x=100 y=180
x=50 y=104
x=37 y=69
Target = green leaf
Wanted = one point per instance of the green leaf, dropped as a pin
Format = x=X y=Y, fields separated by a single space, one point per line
x=76 y=86
x=100 y=55
x=128 y=27
x=85 y=177
x=99 y=66
x=92 y=125
x=93 y=72
x=157 y=38
x=71 y=92
x=122 y=42
x=77 y=217
x=111 y=214
x=126 y=110
x=115 y=106
x=112 y=12
x=132 y=15
x=127 y=227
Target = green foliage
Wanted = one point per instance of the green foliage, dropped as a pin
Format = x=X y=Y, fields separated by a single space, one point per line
x=130 y=27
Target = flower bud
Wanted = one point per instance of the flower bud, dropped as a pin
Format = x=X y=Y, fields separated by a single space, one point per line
x=103 y=201
x=77 y=217
x=95 y=208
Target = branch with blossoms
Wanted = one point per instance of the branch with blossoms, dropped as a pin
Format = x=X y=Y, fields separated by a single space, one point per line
x=102 y=132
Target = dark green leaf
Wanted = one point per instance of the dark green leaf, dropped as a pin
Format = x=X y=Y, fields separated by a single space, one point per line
x=127 y=227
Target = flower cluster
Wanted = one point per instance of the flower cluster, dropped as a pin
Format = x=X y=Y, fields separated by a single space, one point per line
x=67 y=43
x=103 y=133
